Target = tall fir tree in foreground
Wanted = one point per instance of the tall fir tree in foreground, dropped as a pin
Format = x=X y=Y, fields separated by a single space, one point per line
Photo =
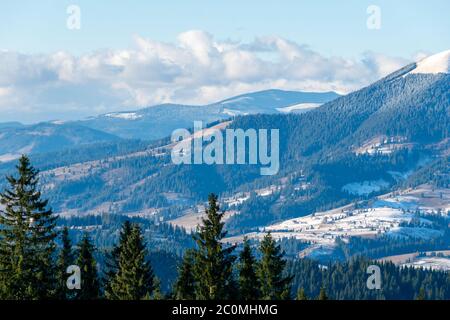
x=248 y=281
x=112 y=258
x=90 y=285
x=323 y=294
x=65 y=258
x=134 y=279
x=157 y=293
x=301 y=295
x=273 y=286
x=184 y=288
x=27 y=234
x=213 y=267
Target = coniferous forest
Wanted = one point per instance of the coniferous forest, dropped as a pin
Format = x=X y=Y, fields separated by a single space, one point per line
x=37 y=255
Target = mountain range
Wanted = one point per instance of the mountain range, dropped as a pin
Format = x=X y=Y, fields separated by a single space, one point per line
x=354 y=154
x=147 y=124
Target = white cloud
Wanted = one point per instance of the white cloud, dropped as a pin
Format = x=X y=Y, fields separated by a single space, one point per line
x=196 y=69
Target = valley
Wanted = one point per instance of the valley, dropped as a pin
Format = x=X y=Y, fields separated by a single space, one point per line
x=371 y=166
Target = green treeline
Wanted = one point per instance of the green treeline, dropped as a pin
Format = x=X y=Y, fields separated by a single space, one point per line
x=35 y=255
x=32 y=267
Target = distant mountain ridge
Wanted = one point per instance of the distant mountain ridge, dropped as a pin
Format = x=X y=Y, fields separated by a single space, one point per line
x=159 y=121
x=17 y=139
x=146 y=124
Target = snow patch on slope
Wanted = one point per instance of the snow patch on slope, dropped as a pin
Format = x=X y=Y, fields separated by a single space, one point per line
x=124 y=115
x=301 y=107
x=438 y=63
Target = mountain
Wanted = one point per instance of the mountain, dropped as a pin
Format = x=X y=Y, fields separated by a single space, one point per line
x=159 y=121
x=273 y=101
x=147 y=124
x=46 y=137
x=10 y=125
x=343 y=167
x=435 y=64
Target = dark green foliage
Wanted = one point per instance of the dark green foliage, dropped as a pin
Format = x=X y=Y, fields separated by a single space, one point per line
x=157 y=294
x=421 y=295
x=322 y=295
x=273 y=286
x=184 y=288
x=133 y=277
x=112 y=259
x=248 y=281
x=348 y=281
x=27 y=233
x=213 y=267
x=90 y=284
x=65 y=259
x=301 y=295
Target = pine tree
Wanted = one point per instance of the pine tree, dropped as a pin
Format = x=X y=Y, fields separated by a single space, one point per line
x=273 y=286
x=184 y=288
x=323 y=294
x=112 y=258
x=157 y=293
x=213 y=267
x=301 y=294
x=421 y=295
x=65 y=259
x=90 y=286
x=248 y=282
x=134 y=278
x=27 y=234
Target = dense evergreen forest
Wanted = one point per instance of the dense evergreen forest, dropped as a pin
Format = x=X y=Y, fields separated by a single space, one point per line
x=37 y=247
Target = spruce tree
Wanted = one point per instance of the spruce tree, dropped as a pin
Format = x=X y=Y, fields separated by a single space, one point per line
x=323 y=294
x=157 y=293
x=184 y=288
x=134 y=278
x=421 y=295
x=248 y=281
x=112 y=258
x=301 y=294
x=65 y=259
x=213 y=267
x=90 y=285
x=273 y=286
x=27 y=234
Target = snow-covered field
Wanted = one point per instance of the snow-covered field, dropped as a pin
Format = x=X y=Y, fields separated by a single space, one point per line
x=384 y=216
x=434 y=260
x=433 y=263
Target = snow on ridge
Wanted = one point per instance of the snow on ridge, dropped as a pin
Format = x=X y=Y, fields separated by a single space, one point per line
x=299 y=107
x=124 y=115
x=233 y=113
x=438 y=63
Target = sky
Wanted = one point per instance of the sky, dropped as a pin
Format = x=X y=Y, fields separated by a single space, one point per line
x=132 y=54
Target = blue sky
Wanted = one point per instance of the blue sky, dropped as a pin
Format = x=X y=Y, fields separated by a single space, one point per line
x=134 y=53
x=329 y=26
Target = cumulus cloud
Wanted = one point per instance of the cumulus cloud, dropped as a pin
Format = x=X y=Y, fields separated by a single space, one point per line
x=196 y=69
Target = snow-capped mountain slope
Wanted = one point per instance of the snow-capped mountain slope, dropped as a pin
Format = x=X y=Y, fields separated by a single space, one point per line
x=437 y=63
